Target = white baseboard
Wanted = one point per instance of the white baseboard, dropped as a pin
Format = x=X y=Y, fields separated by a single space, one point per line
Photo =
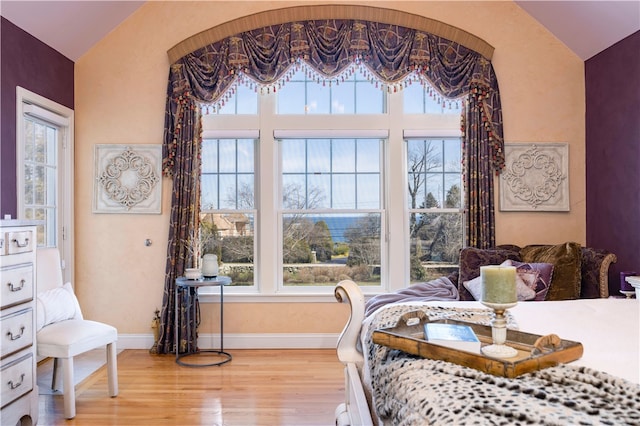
x=243 y=341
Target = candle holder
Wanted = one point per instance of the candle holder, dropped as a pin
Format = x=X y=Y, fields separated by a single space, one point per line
x=499 y=332
x=628 y=294
x=625 y=287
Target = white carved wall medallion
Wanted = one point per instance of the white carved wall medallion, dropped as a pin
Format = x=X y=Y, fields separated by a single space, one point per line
x=128 y=179
x=535 y=177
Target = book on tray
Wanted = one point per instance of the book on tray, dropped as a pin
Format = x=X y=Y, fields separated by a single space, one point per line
x=455 y=336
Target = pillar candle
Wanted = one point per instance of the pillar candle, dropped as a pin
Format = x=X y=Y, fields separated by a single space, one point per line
x=624 y=285
x=498 y=284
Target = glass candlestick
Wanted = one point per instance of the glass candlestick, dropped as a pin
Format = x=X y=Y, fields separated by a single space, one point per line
x=499 y=332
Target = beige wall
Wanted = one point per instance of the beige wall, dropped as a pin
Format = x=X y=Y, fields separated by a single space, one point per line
x=120 y=98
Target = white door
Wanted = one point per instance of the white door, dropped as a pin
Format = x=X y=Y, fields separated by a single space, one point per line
x=45 y=171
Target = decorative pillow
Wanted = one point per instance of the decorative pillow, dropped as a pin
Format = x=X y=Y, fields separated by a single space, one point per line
x=523 y=291
x=471 y=259
x=536 y=276
x=567 y=260
x=55 y=305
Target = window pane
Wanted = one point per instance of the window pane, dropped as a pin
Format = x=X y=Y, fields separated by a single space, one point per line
x=231 y=238
x=453 y=195
x=344 y=191
x=228 y=154
x=343 y=155
x=412 y=96
x=422 y=99
x=318 y=99
x=319 y=191
x=345 y=94
x=230 y=187
x=242 y=100
x=343 y=98
x=293 y=156
x=369 y=99
x=368 y=155
x=436 y=240
x=294 y=191
x=324 y=184
x=209 y=192
x=40 y=189
x=224 y=187
x=246 y=160
x=452 y=155
x=319 y=156
x=247 y=100
x=228 y=191
x=434 y=167
x=209 y=156
x=323 y=249
x=368 y=191
x=292 y=98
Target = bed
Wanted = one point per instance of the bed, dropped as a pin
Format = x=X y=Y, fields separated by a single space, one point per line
x=387 y=386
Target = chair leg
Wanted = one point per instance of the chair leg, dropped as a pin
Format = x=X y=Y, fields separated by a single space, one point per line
x=112 y=369
x=68 y=388
x=54 y=385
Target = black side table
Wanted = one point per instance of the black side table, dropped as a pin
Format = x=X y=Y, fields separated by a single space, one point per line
x=191 y=287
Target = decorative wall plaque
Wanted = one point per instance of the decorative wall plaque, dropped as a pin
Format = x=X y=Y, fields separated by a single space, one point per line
x=128 y=179
x=535 y=178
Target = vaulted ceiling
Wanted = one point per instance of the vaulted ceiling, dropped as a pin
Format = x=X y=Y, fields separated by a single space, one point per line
x=73 y=27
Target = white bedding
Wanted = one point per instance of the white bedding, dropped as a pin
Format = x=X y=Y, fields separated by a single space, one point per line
x=609 y=329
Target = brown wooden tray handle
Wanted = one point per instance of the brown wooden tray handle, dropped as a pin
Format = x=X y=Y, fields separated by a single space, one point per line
x=546 y=344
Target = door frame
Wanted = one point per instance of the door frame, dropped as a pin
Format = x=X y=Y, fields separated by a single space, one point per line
x=65 y=172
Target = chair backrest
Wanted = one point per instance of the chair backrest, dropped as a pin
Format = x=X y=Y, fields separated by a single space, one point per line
x=48 y=269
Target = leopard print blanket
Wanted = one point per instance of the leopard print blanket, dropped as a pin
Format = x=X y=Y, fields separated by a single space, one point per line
x=408 y=390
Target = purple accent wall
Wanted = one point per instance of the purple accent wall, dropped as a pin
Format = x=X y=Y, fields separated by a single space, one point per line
x=613 y=154
x=26 y=62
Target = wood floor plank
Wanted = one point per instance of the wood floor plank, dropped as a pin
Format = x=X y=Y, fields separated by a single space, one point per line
x=258 y=387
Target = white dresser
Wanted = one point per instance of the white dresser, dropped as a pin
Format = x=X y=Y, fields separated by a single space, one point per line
x=19 y=392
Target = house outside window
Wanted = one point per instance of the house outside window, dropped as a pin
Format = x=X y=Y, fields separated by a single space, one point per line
x=329 y=199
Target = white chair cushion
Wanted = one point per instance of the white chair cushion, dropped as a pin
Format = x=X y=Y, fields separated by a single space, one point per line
x=57 y=304
x=69 y=338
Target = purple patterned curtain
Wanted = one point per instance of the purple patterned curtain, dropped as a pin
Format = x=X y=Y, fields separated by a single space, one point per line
x=184 y=150
x=265 y=55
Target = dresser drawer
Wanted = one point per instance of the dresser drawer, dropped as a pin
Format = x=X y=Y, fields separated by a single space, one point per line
x=17 y=379
x=16 y=284
x=19 y=242
x=17 y=331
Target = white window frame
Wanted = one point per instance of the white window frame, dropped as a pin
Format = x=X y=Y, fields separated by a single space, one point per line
x=395 y=124
x=31 y=103
x=381 y=134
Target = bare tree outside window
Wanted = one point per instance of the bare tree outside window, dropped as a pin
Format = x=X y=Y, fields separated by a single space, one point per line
x=435 y=200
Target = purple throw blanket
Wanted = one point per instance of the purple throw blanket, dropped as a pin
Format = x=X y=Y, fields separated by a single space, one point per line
x=439 y=289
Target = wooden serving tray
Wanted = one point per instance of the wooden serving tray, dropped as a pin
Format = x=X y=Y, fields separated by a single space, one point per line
x=535 y=352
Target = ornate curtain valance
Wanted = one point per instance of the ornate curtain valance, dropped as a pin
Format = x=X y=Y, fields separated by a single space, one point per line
x=390 y=52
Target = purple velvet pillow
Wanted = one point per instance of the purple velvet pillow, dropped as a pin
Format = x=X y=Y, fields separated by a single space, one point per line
x=536 y=276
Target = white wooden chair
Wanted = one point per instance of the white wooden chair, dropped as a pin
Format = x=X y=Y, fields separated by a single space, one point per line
x=62 y=331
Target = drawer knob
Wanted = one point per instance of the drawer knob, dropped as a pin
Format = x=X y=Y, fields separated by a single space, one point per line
x=20 y=244
x=16 y=336
x=16 y=385
x=16 y=288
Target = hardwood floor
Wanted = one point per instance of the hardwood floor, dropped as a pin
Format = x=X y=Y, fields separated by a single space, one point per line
x=258 y=387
